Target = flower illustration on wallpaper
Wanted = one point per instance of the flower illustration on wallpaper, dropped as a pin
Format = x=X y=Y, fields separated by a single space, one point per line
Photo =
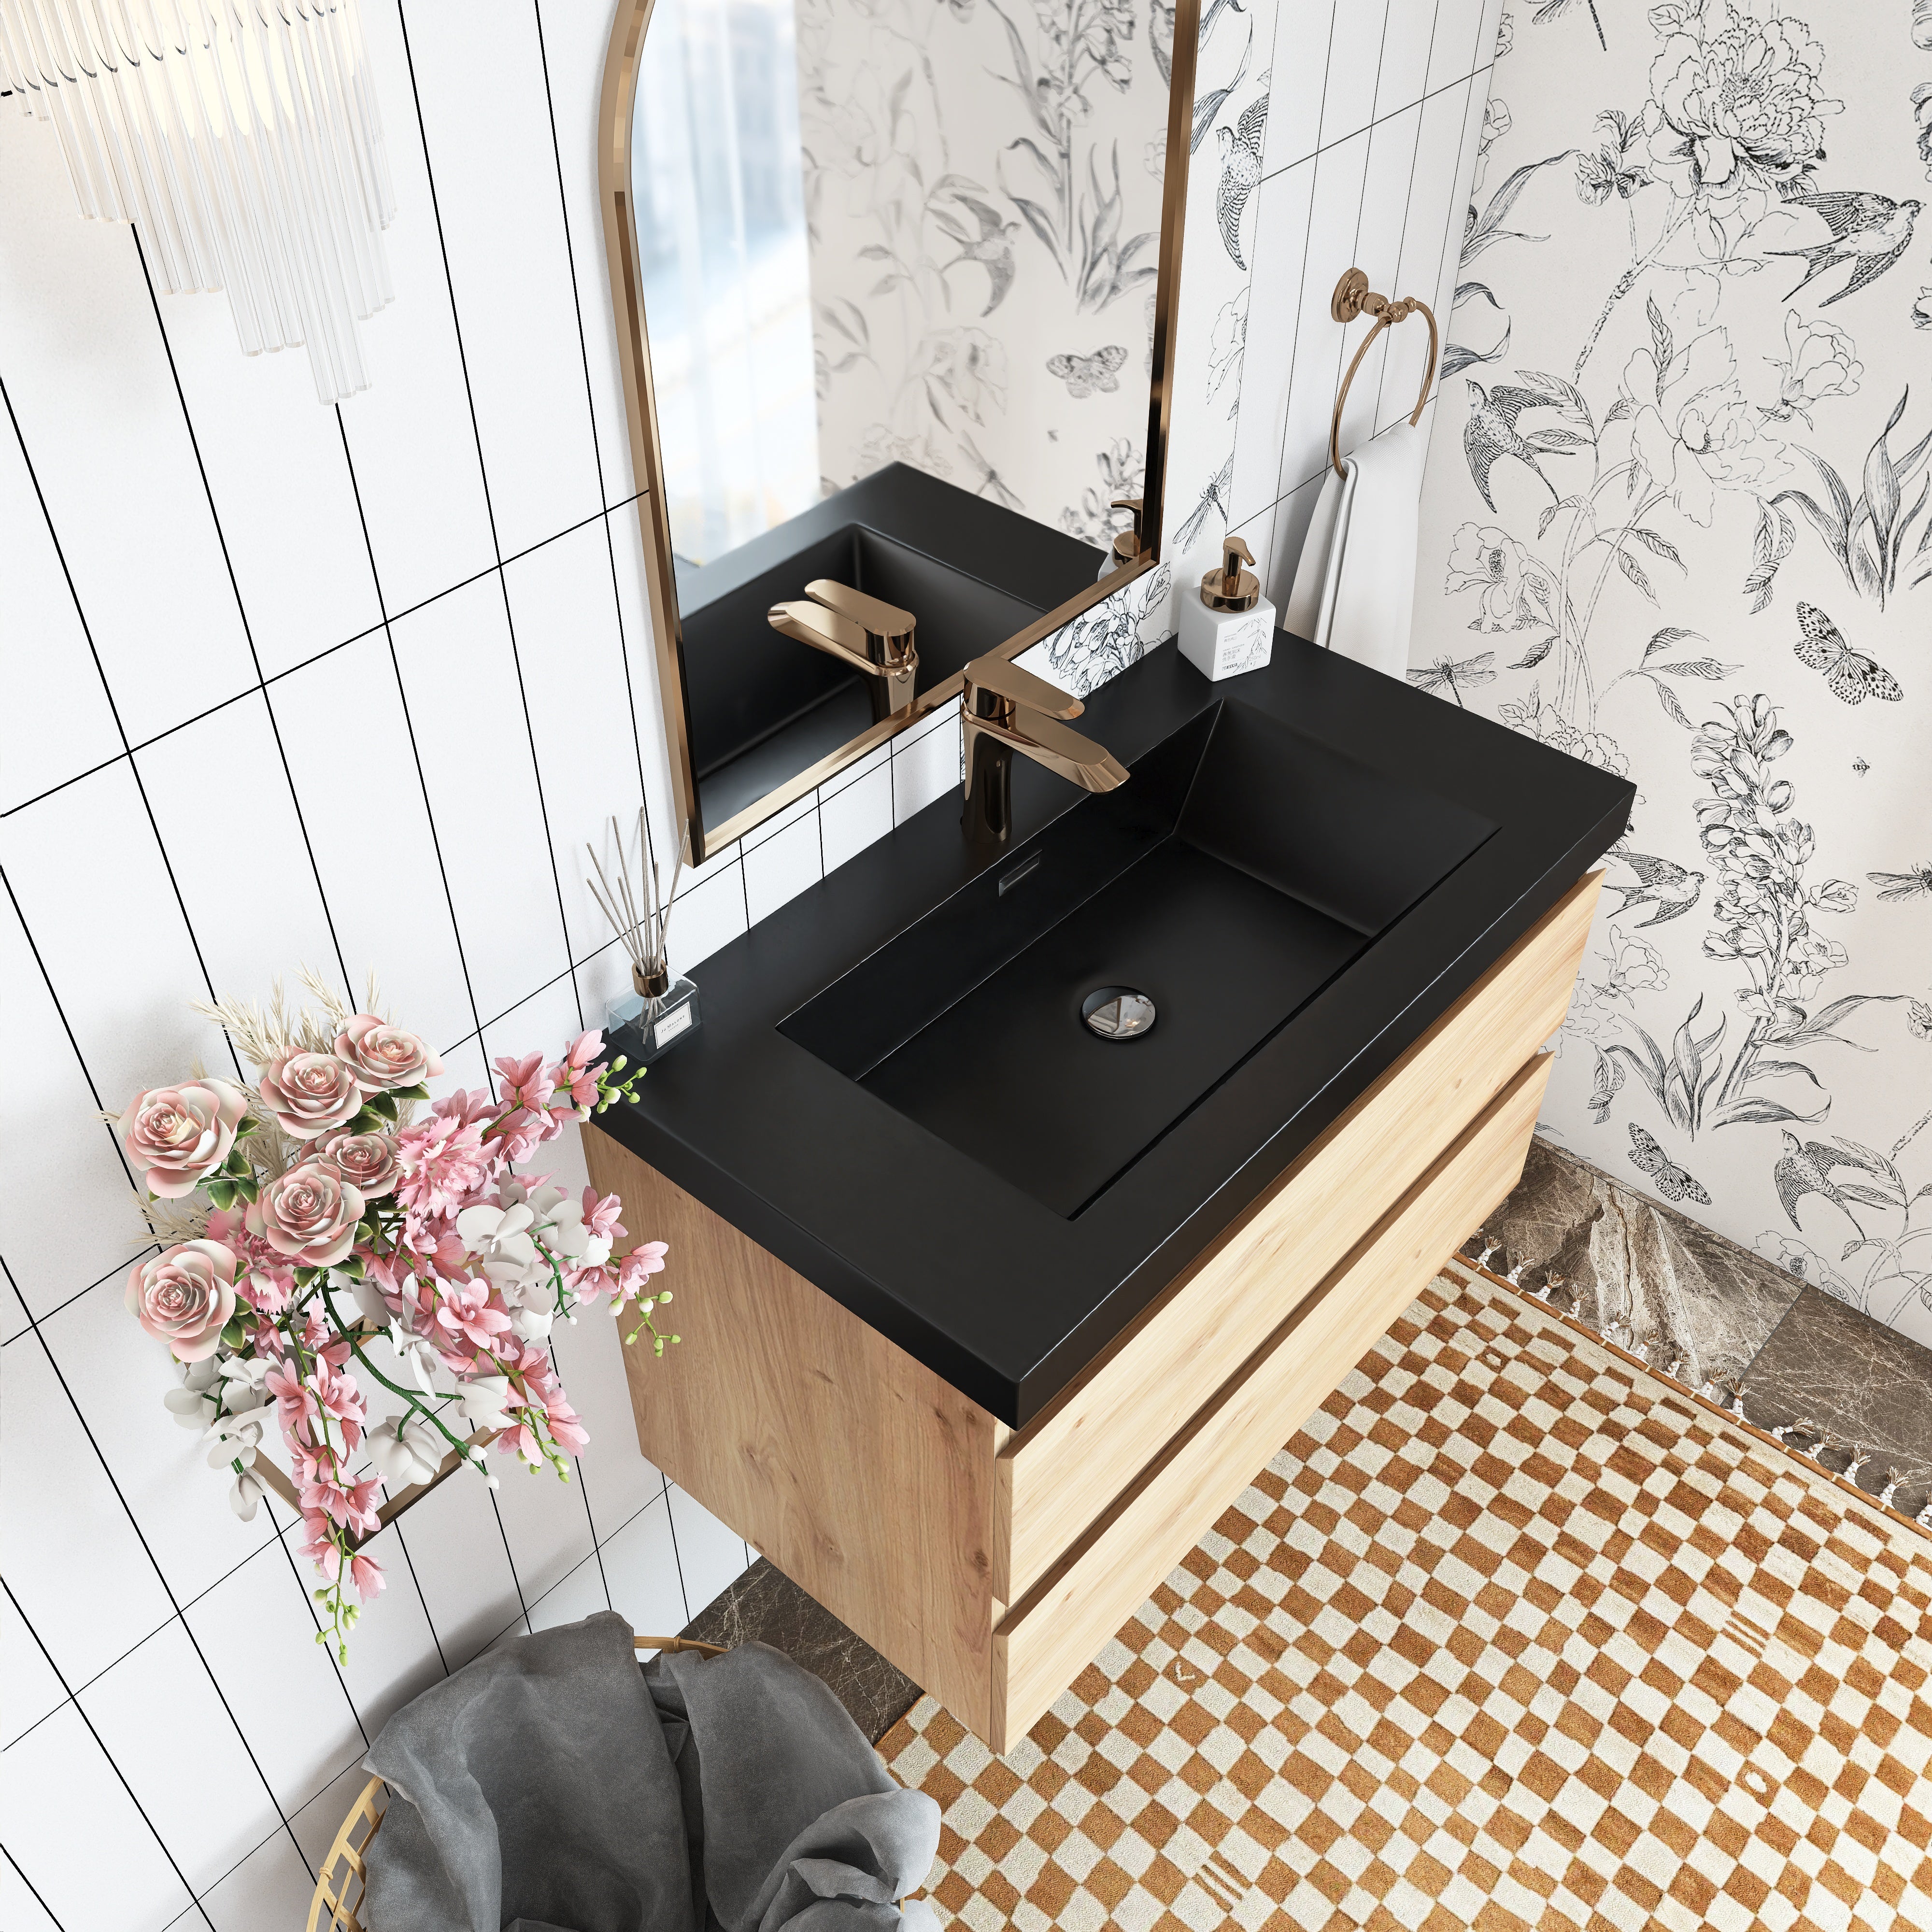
x=1820 y=361
x=305 y=1217
x=1694 y=433
x=1765 y=911
x=1617 y=166
x=1497 y=121
x=1123 y=475
x=1514 y=589
x=1076 y=217
x=1227 y=349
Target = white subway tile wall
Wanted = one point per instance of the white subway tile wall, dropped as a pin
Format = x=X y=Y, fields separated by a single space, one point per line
x=352 y=688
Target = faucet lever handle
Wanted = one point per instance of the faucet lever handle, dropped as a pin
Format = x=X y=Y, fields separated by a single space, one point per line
x=1006 y=679
x=823 y=628
x=883 y=619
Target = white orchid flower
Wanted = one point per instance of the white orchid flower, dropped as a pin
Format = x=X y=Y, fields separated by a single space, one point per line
x=417 y=1353
x=245 y=1382
x=369 y=1302
x=531 y=1322
x=499 y=1239
x=540 y=1202
x=405 y=1449
x=487 y=1402
x=189 y=1407
x=571 y=1238
x=245 y=1495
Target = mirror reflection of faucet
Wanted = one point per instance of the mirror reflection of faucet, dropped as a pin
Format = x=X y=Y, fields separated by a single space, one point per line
x=865 y=632
x=1005 y=710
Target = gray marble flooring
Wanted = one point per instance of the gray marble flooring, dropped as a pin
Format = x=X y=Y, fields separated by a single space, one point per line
x=766 y=1606
x=1828 y=1380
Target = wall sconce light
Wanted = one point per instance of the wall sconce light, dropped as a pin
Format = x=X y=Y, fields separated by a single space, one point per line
x=241 y=138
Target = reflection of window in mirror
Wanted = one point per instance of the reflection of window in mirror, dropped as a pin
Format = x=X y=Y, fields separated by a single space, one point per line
x=726 y=272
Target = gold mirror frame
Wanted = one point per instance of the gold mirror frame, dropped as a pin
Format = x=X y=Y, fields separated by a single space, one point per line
x=614 y=123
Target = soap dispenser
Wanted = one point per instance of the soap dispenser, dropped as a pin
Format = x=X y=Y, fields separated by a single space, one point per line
x=1229 y=628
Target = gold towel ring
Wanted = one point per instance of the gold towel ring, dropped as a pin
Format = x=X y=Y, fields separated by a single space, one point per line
x=1353 y=297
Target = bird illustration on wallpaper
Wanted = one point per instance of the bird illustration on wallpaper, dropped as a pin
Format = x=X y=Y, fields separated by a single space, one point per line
x=1697 y=427
x=967 y=200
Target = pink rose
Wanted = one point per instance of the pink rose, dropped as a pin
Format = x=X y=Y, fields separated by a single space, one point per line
x=309 y=1214
x=384 y=1056
x=309 y=1093
x=184 y=1297
x=177 y=1136
x=367 y=1162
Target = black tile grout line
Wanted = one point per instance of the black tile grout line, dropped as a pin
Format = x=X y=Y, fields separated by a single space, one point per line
x=677 y=1555
x=67 y=1301
x=1408 y=208
x=242 y=612
x=489 y=501
x=1367 y=127
x=114 y=711
x=37 y=1898
x=167 y=1591
x=317 y=657
x=596 y=449
x=80 y=1711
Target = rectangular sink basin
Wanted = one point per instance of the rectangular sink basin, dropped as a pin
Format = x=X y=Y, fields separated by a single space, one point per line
x=1240 y=869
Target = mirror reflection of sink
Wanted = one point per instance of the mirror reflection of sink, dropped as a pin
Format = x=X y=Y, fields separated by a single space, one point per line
x=1242 y=870
x=762 y=708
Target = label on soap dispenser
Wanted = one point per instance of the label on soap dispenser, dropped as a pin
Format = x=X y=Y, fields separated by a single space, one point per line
x=1246 y=641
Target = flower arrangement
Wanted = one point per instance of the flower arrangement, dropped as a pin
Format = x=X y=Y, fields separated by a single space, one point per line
x=314 y=1226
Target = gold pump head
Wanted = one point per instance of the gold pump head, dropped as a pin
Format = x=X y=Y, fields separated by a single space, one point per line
x=1127 y=545
x=1230 y=587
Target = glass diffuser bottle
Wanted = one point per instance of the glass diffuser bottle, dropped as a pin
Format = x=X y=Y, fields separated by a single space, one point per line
x=645 y=1023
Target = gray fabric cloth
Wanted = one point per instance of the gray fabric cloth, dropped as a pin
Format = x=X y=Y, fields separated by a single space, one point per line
x=552 y=1784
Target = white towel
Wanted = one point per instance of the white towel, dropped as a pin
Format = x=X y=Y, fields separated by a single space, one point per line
x=1354 y=589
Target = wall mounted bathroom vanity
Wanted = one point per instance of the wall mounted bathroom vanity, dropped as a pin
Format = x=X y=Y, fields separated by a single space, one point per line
x=986 y=1315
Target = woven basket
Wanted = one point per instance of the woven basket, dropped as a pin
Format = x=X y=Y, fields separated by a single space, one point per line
x=338 y=1891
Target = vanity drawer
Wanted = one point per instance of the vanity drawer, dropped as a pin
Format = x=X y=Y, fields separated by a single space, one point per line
x=1056 y=1477
x=1045 y=1641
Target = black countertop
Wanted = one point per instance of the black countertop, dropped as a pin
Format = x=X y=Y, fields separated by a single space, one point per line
x=1004 y=1297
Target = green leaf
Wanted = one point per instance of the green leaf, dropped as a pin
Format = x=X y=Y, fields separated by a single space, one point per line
x=384 y=1104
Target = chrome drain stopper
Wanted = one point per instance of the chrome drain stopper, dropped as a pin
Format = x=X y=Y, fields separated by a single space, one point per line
x=1117 y=1012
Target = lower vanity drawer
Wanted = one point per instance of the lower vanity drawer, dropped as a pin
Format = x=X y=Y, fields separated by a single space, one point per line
x=1046 y=1639
x=1059 y=1475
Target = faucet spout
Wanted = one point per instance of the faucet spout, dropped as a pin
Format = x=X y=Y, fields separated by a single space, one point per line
x=1005 y=710
x=864 y=632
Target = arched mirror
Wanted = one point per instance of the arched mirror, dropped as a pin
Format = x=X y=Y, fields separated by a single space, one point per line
x=893 y=282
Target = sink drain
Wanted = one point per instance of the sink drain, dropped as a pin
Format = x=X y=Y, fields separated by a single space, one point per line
x=1117 y=1012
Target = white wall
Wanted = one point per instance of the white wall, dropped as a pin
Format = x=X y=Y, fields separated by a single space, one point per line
x=286 y=684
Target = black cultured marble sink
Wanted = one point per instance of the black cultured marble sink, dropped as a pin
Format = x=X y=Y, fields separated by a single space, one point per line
x=894 y=1091
x=1242 y=869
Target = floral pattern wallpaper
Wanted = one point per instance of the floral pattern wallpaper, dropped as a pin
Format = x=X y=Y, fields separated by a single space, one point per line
x=982 y=184
x=1678 y=522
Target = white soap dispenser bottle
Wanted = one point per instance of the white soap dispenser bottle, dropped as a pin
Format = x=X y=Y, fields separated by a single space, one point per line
x=1229 y=628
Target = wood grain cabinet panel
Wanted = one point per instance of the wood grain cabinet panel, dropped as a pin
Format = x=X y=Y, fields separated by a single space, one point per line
x=1057 y=1475
x=1046 y=1640
x=916 y=1517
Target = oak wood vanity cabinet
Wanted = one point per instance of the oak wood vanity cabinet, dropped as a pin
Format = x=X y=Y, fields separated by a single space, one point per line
x=991 y=1564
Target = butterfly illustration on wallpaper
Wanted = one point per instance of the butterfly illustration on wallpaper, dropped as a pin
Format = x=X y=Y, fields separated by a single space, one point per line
x=1673 y=1182
x=1084 y=374
x=1849 y=674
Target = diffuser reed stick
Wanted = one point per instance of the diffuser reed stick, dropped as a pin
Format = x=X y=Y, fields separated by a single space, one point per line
x=642 y=929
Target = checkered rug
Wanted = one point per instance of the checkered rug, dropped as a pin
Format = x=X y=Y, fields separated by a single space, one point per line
x=1512 y=1634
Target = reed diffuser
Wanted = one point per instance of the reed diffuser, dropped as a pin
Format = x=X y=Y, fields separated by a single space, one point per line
x=659 y=1010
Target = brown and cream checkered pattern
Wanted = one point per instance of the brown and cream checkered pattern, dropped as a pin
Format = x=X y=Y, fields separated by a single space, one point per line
x=1512 y=1634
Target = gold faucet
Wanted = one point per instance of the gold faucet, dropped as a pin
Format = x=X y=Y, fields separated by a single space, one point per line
x=871 y=636
x=1004 y=710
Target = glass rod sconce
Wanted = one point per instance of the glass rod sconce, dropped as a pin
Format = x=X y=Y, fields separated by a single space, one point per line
x=242 y=139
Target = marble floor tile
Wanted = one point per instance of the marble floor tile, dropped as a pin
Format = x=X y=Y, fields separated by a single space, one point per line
x=1653 y=1281
x=1847 y=1390
x=765 y=1606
